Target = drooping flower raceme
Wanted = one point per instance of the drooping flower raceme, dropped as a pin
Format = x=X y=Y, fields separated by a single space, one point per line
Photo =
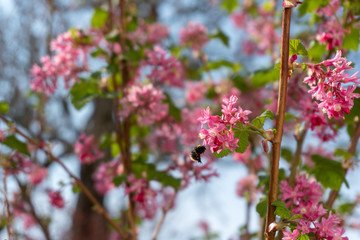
x=195 y=36
x=220 y=135
x=104 y=175
x=163 y=67
x=86 y=149
x=331 y=87
x=64 y=63
x=146 y=102
x=56 y=199
x=304 y=199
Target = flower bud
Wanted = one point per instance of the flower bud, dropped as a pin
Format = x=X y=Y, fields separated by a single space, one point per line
x=265 y=145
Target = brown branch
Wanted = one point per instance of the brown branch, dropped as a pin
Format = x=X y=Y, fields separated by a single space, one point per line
x=161 y=221
x=8 y=219
x=99 y=208
x=126 y=125
x=352 y=148
x=280 y=116
x=294 y=165
x=27 y=199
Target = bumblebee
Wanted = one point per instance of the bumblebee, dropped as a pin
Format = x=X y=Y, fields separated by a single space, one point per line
x=195 y=154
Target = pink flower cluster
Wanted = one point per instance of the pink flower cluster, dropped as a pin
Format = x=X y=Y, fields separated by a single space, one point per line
x=304 y=199
x=330 y=9
x=149 y=33
x=64 y=63
x=86 y=149
x=327 y=82
x=220 y=135
x=163 y=69
x=104 y=175
x=260 y=29
x=18 y=163
x=149 y=200
x=56 y=199
x=331 y=34
x=195 y=92
x=246 y=187
x=195 y=36
x=37 y=174
x=191 y=170
x=146 y=102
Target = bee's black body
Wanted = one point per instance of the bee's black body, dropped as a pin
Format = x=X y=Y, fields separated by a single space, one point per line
x=195 y=154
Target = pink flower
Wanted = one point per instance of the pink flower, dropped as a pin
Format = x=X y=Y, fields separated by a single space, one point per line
x=86 y=149
x=331 y=34
x=164 y=69
x=2 y=136
x=238 y=19
x=195 y=92
x=195 y=36
x=204 y=226
x=18 y=163
x=56 y=199
x=148 y=33
x=291 y=236
x=67 y=62
x=104 y=175
x=37 y=174
x=327 y=87
x=146 y=102
x=220 y=135
x=247 y=187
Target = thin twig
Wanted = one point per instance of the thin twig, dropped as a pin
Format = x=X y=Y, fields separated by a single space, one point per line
x=280 y=116
x=352 y=148
x=89 y=195
x=27 y=199
x=296 y=161
x=161 y=220
x=8 y=218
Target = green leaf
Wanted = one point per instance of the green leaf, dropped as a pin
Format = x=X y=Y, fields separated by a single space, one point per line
x=243 y=140
x=351 y=41
x=287 y=154
x=174 y=111
x=17 y=145
x=316 y=51
x=303 y=237
x=76 y=189
x=311 y=6
x=218 y=34
x=264 y=77
x=261 y=207
x=281 y=210
x=328 y=172
x=99 y=18
x=342 y=153
x=4 y=107
x=296 y=216
x=259 y=121
x=296 y=47
x=223 y=63
x=118 y=180
x=346 y=207
x=240 y=83
x=222 y=154
x=229 y=5
x=83 y=92
x=153 y=174
x=355 y=110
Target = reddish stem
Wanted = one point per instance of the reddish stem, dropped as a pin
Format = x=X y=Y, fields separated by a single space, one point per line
x=280 y=116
